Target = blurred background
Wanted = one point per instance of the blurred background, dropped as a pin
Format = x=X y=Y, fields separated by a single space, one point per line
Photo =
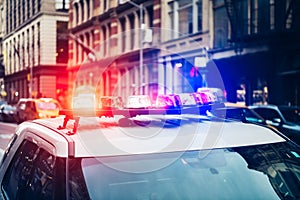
x=248 y=48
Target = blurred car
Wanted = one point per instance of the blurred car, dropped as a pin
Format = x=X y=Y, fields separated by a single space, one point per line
x=239 y=112
x=139 y=101
x=29 y=109
x=201 y=158
x=111 y=102
x=7 y=113
x=285 y=118
x=2 y=102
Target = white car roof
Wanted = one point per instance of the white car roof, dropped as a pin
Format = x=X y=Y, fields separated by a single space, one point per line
x=103 y=137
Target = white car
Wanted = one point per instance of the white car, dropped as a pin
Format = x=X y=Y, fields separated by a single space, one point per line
x=89 y=157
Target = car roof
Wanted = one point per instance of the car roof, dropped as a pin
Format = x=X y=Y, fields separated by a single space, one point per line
x=104 y=137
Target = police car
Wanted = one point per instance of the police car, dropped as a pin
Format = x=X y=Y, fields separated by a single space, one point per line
x=84 y=154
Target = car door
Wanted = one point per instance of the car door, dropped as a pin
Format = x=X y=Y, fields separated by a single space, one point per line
x=34 y=173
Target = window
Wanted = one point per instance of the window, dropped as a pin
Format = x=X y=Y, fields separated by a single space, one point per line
x=232 y=173
x=61 y=42
x=47 y=106
x=33 y=7
x=19 y=170
x=33 y=174
x=185 y=17
x=28 y=10
x=185 y=13
x=76 y=13
x=272 y=14
x=62 y=4
x=254 y=16
x=268 y=114
x=171 y=18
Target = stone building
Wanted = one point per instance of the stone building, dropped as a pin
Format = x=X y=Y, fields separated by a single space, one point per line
x=257 y=49
x=35 y=48
x=121 y=52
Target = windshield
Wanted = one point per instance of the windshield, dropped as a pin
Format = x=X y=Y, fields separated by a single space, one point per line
x=291 y=114
x=47 y=106
x=269 y=171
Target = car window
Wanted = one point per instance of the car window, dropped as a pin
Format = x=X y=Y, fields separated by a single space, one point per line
x=77 y=185
x=19 y=170
x=268 y=114
x=261 y=172
x=30 y=106
x=291 y=114
x=32 y=174
x=47 y=106
x=253 y=117
x=8 y=148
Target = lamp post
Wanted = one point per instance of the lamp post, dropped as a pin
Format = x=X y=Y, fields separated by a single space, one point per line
x=140 y=7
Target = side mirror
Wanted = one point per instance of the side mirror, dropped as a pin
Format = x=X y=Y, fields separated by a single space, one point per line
x=276 y=120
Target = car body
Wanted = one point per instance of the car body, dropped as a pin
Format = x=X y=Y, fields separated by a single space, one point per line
x=7 y=113
x=30 y=108
x=285 y=118
x=95 y=158
x=238 y=112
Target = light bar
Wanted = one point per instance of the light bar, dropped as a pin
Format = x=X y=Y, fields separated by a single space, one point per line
x=128 y=112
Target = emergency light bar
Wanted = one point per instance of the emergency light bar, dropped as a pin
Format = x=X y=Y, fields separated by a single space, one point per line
x=75 y=114
x=131 y=112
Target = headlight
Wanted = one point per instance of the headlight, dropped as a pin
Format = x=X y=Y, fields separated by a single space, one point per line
x=42 y=115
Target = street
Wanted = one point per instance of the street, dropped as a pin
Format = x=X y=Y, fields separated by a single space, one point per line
x=6 y=132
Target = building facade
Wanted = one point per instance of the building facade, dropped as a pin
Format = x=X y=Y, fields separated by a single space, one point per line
x=35 y=48
x=111 y=39
x=257 y=49
x=2 y=91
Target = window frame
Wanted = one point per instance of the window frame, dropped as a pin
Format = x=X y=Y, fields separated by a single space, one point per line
x=41 y=146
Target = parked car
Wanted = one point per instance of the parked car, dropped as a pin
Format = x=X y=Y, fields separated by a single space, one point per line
x=29 y=109
x=238 y=112
x=285 y=118
x=7 y=113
